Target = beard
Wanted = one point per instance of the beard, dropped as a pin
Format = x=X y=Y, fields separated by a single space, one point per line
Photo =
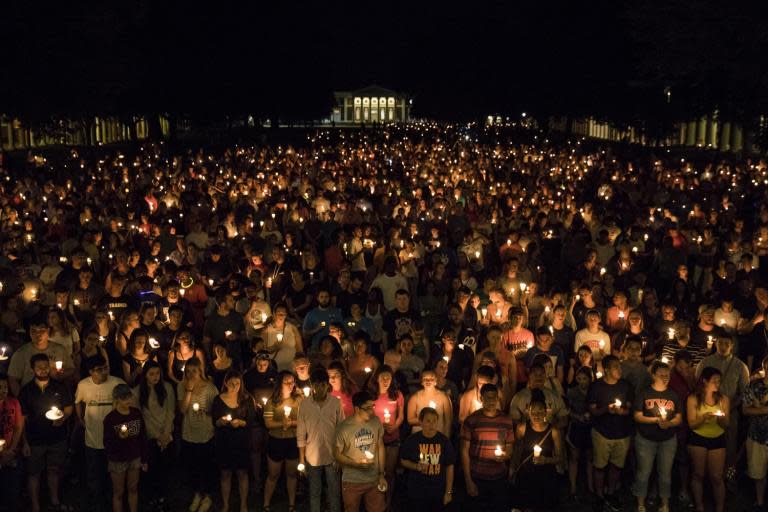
x=44 y=378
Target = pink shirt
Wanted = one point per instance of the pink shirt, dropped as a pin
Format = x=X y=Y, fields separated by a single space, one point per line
x=385 y=403
x=346 y=403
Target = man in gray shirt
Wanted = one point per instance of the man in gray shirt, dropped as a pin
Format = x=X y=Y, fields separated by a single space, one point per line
x=360 y=452
x=318 y=418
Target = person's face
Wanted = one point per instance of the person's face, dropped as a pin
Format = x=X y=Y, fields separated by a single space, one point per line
x=668 y=313
x=141 y=342
x=613 y=370
x=708 y=317
x=429 y=425
x=366 y=410
x=634 y=319
x=191 y=372
x=633 y=350
x=288 y=384
x=153 y=376
x=99 y=374
x=262 y=365
x=133 y=321
x=302 y=368
x=148 y=316
x=593 y=321
x=323 y=299
x=441 y=368
x=219 y=351
x=39 y=334
x=42 y=370
x=537 y=378
x=406 y=346
x=684 y=368
x=559 y=315
x=428 y=380
x=714 y=383
x=360 y=347
x=537 y=413
x=724 y=346
x=454 y=316
x=385 y=380
x=334 y=378
x=233 y=385
x=545 y=341
x=490 y=401
x=402 y=302
x=175 y=316
x=662 y=376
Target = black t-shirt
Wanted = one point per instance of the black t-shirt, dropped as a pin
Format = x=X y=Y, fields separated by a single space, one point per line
x=564 y=338
x=602 y=394
x=397 y=324
x=115 y=305
x=699 y=337
x=345 y=299
x=35 y=402
x=651 y=403
x=437 y=452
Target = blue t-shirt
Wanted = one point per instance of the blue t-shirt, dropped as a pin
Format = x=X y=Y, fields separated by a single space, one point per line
x=315 y=317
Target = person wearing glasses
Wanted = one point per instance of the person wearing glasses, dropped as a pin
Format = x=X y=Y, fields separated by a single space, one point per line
x=360 y=452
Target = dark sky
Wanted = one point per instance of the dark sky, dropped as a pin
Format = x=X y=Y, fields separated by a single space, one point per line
x=458 y=61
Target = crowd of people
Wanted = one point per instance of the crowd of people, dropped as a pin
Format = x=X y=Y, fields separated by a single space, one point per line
x=383 y=318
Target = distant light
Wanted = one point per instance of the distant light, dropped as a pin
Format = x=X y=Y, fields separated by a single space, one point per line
x=524 y=114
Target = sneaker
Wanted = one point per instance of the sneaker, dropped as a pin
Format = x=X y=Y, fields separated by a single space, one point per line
x=195 y=503
x=205 y=504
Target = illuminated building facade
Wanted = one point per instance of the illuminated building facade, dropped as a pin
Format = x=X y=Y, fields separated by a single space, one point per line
x=371 y=104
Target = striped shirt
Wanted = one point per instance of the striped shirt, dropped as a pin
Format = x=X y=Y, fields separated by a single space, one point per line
x=484 y=434
x=698 y=352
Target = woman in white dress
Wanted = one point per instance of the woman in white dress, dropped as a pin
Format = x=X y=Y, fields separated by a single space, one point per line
x=282 y=339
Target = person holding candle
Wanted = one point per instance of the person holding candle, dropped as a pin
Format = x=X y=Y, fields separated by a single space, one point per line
x=430 y=396
x=93 y=401
x=429 y=457
x=126 y=448
x=20 y=371
x=156 y=401
x=708 y=413
x=224 y=323
x=610 y=400
x=182 y=351
x=593 y=336
x=195 y=395
x=359 y=450
x=579 y=433
x=280 y=413
x=12 y=427
x=389 y=408
x=316 y=424
x=658 y=415
x=318 y=320
x=487 y=438
x=282 y=338
x=470 y=399
x=538 y=451
x=233 y=413
x=136 y=356
x=45 y=437
x=361 y=364
x=733 y=384
x=516 y=340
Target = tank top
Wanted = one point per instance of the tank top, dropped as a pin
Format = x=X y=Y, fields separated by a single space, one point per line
x=532 y=438
x=710 y=428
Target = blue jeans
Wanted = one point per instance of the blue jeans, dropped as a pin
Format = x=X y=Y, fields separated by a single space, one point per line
x=664 y=454
x=315 y=477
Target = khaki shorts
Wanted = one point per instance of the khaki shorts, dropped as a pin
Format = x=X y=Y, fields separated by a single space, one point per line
x=757 y=460
x=608 y=451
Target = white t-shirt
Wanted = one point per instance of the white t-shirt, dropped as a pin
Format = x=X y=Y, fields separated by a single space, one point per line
x=97 y=399
x=388 y=286
x=592 y=340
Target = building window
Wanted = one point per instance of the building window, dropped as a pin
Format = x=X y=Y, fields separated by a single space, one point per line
x=357 y=114
x=391 y=113
x=357 y=101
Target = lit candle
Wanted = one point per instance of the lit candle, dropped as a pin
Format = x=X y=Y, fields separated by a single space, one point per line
x=671 y=333
x=59 y=365
x=719 y=413
x=228 y=417
x=287 y=410
x=300 y=467
x=432 y=404
x=182 y=291
x=279 y=337
x=387 y=416
x=663 y=412
x=602 y=271
x=665 y=359
x=599 y=375
x=484 y=311
x=154 y=343
x=536 y=451
x=710 y=341
x=529 y=345
x=195 y=406
x=3 y=357
x=210 y=282
x=498 y=451
x=621 y=315
x=523 y=287
x=227 y=333
x=306 y=390
x=617 y=403
x=498 y=313
x=124 y=429
x=264 y=400
x=368 y=455
x=2 y=444
x=601 y=344
x=367 y=369
x=446 y=359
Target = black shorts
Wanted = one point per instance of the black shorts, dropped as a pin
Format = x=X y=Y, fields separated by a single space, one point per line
x=710 y=443
x=279 y=450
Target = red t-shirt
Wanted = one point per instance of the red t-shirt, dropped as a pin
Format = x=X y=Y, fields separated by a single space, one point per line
x=514 y=345
x=484 y=434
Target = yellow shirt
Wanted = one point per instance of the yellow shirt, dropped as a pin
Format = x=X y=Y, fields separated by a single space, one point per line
x=710 y=428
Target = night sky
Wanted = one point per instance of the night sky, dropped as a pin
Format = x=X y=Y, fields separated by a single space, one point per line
x=457 y=60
